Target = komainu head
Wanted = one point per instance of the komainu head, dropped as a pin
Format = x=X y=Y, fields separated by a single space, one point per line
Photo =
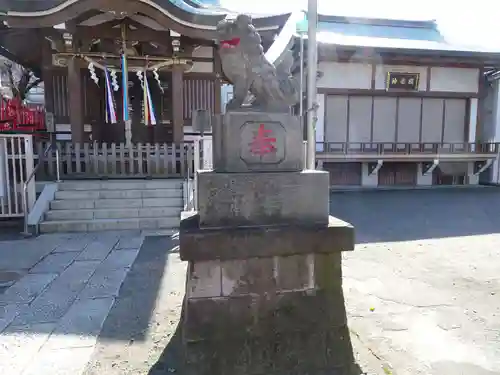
x=238 y=34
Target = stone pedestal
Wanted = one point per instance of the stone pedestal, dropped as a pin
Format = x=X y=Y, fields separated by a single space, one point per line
x=264 y=285
x=233 y=199
x=275 y=137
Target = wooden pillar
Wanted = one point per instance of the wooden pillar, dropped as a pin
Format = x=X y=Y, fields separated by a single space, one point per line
x=177 y=104
x=47 y=76
x=75 y=94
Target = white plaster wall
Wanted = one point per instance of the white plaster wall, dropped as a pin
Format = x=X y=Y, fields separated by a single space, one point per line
x=358 y=76
x=454 y=79
x=345 y=75
x=382 y=70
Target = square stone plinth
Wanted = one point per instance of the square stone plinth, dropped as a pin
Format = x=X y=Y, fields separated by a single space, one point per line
x=256 y=141
x=238 y=199
x=205 y=244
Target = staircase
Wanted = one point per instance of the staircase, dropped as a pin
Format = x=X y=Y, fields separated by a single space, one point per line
x=88 y=206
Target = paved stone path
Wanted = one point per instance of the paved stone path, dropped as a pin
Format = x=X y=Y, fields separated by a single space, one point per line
x=66 y=285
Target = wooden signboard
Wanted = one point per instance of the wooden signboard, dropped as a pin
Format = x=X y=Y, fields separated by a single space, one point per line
x=50 y=124
x=201 y=121
x=402 y=81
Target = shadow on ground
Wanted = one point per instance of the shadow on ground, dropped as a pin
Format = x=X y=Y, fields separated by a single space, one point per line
x=130 y=316
x=386 y=216
x=302 y=352
x=10 y=230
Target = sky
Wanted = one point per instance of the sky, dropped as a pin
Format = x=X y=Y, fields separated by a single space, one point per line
x=474 y=23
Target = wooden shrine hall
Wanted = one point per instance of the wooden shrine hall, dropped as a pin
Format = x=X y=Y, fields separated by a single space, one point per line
x=81 y=50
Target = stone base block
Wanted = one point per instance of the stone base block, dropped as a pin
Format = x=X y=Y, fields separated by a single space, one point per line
x=236 y=317
x=267 y=316
x=328 y=352
x=261 y=294
x=202 y=244
x=238 y=199
x=257 y=141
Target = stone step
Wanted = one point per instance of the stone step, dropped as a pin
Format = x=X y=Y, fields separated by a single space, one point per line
x=121 y=185
x=113 y=213
x=118 y=194
x=77 y=204
x=108 y=224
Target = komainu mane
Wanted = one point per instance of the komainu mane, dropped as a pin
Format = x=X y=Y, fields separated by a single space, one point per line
x=244 y=64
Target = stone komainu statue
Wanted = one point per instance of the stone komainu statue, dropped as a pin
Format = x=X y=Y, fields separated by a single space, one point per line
x=244 y=64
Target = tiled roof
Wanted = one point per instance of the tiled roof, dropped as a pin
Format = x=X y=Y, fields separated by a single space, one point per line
x=40 y=5
x=196 y=10
x=386 y=34
x=28 y=5
x=389 y=30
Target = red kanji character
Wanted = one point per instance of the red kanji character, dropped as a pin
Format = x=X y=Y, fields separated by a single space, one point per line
x=262 y=143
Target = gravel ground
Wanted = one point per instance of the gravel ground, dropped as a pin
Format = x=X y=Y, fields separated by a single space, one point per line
x=421 y=289
x=422 y=286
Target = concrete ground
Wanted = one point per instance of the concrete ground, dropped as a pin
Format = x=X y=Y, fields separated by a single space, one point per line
x=421 y=289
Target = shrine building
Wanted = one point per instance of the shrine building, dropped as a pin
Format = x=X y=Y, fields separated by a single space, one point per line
x=79 y=48
x=402 y=106
x=399 y=105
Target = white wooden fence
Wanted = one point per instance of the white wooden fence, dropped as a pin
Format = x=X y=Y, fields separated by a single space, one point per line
x=116 y=160
x=202 y=160
x=16 y=165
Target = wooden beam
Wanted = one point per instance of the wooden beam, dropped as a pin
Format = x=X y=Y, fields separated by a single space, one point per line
x=177 y=103
x=107 y=32
x=75 y=91
x=217 y=63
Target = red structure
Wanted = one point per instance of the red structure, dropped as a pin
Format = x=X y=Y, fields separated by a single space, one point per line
x=16 y=117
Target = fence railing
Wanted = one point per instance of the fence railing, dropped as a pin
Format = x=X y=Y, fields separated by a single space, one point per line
x=202 y=160
x=16 y=164
x=379 y=148
x=115 y=160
